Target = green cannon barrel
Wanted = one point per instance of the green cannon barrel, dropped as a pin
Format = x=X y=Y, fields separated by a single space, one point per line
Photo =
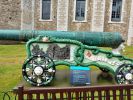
x=100 y=39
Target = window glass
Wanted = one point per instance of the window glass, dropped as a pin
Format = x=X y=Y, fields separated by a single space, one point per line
x=46 y=9
x=116 y=10
x=80 y=10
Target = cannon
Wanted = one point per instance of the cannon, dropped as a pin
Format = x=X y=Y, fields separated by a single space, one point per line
x=100 y=39
x=48 y=49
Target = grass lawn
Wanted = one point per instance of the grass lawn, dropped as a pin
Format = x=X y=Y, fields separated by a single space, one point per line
x=11 y=60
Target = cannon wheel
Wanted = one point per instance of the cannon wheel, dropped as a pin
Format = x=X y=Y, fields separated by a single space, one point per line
x=39 y=70
x=124 y=74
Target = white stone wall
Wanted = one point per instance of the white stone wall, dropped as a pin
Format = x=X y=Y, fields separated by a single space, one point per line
x=130 y=30
x=27 y=15
x=62 y=15
x=98 y=15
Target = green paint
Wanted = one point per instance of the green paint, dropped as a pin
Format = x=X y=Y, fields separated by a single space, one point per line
x=101 y=39
x=83 y=51
x=100 y=58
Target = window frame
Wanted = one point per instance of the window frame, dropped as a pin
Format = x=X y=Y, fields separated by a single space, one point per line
x=51 y=9
x=86 y=11
x=122 y=13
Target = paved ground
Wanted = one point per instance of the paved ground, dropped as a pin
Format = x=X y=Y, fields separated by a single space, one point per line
x=62 y=79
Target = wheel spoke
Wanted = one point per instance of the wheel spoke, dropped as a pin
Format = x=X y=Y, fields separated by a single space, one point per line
x=131 y=71
x=27 y=69
x=45 y=77
x=39 y=80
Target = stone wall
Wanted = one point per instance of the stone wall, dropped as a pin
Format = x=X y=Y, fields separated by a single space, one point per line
x=45 y=25
x=79 y=26
x=10 y=14
x=62 y=15
x=27 y=15
x=132 y=41
x=130 y=29
x=121 y=27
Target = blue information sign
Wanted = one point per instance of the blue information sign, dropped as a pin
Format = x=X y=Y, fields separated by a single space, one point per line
x=80 y=75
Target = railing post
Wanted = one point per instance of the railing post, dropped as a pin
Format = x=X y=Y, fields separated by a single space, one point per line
x=128 y=94
x=29 y=96
x=84 y=96
x=38 y=96
x=107 y=95
x=121 y=94
x=69 y=95
x=53 y=95
x=114 y=94
x=45 y=96
x=99 y=95
x=61 y=95
x=20 y=92
x=92 y=95
x=77 y=95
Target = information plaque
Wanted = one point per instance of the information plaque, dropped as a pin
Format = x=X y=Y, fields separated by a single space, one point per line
x=79 y=75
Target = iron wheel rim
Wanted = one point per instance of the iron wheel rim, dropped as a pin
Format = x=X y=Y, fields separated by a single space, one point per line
x=124 y=74
x=33 y=65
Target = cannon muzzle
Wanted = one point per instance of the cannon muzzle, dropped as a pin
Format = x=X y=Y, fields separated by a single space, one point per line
x=100 y=39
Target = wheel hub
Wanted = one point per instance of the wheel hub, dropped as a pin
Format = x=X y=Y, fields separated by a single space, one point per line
x=129 y=76
x=38 y=71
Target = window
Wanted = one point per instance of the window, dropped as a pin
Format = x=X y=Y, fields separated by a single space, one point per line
x=46 y=9
x=80 y=10
x=116 y=10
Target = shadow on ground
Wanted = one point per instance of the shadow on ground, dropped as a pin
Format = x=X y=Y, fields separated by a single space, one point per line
x=62 y=79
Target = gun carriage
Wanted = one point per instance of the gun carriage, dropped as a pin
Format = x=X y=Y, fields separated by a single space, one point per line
x=48 y=49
